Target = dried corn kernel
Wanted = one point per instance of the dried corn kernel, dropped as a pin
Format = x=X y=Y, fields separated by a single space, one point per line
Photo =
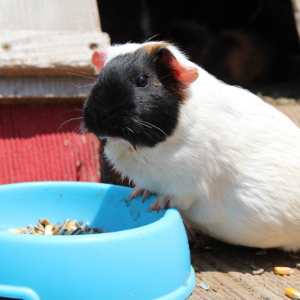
x=48 y=229
x=283 y=270
x=293 y=293
x=71 y=225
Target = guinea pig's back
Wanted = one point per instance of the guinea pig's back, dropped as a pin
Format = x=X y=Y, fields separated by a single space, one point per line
x=256 y=148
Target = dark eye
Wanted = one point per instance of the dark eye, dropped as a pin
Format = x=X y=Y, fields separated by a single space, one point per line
x=142 y=81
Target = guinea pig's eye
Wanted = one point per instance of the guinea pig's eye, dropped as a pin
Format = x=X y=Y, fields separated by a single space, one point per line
x=142 y=81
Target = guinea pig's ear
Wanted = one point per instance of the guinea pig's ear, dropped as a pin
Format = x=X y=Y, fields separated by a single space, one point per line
x=186 y=75
x=98 y=59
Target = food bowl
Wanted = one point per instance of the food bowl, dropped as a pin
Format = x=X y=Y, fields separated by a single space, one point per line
x=143 y=256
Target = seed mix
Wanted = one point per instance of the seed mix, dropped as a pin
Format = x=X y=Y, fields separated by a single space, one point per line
x=44 y=227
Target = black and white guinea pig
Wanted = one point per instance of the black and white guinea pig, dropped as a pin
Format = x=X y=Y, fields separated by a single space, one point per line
x=227 y=160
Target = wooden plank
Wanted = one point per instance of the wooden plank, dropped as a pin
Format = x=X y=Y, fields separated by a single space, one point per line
x=24 y=89
x=28 y=52
x=49 y=15
x=296 y=8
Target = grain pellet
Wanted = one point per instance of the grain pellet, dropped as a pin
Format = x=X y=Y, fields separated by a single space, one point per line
x=258 y=272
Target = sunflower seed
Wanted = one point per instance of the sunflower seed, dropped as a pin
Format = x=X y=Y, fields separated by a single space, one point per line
x=44 y=227
x=204 y=285
x=62 y=229
x=39 y=226
x=55 y=231
x=76 y=231
x=57 y=225
x=38 y=232
x=66 y=222
x=69 y=231
x=29 y=229
x=86 y=226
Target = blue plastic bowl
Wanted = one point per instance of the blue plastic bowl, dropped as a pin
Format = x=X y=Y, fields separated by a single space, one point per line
x=144 y=255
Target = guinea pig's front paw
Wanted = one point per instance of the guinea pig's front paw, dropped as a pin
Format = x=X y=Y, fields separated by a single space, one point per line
x=162 y=202
x=138 y=191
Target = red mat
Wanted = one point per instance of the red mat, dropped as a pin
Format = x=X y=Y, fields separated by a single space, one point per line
x=33 y=149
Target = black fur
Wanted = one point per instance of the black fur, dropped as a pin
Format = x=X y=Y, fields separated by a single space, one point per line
x=144 y=116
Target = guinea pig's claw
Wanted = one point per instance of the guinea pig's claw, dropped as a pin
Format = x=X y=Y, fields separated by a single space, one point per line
x=146 y=194
x=161 y=203
x=138 y=191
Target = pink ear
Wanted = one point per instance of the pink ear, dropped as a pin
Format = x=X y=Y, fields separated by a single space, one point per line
x=186 y=75
x=98 y=58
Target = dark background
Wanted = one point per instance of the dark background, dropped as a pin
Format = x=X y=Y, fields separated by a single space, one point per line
x=250 y=43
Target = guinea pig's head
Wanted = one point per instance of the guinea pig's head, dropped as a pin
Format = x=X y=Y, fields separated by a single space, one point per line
x=137 y=95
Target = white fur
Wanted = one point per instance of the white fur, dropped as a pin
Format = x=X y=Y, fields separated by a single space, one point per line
x=232 y=166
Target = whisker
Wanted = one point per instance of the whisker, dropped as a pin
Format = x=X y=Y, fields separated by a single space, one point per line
x=81 y=76
x=152 y=37
x=70 y=110
x=80 y=87
x=92 y=146
x=78 y=118
x=150 y=131
x=154 y=127
x=78 y=135
x=130 y=130
x=79 y=127
x=91 y=75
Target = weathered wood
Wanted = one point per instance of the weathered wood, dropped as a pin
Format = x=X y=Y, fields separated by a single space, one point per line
x=49 y=15
x=296 y=8
x=30 y=89
x=28 y=52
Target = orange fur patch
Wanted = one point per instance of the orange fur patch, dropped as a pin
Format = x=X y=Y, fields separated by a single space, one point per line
x=129 y=149
x=155 y=47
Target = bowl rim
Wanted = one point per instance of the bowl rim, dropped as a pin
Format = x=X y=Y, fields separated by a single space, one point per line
x=170 y=216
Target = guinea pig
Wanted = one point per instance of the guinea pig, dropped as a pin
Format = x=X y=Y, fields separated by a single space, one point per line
x=228 y=161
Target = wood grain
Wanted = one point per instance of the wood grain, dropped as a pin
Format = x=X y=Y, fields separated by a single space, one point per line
x=31 y=52
x=45 y=89
x=49 y=15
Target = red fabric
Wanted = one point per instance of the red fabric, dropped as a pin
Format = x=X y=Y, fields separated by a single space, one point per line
x=31 y=148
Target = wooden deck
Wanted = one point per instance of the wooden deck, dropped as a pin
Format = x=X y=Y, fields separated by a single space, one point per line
x=227 y=269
